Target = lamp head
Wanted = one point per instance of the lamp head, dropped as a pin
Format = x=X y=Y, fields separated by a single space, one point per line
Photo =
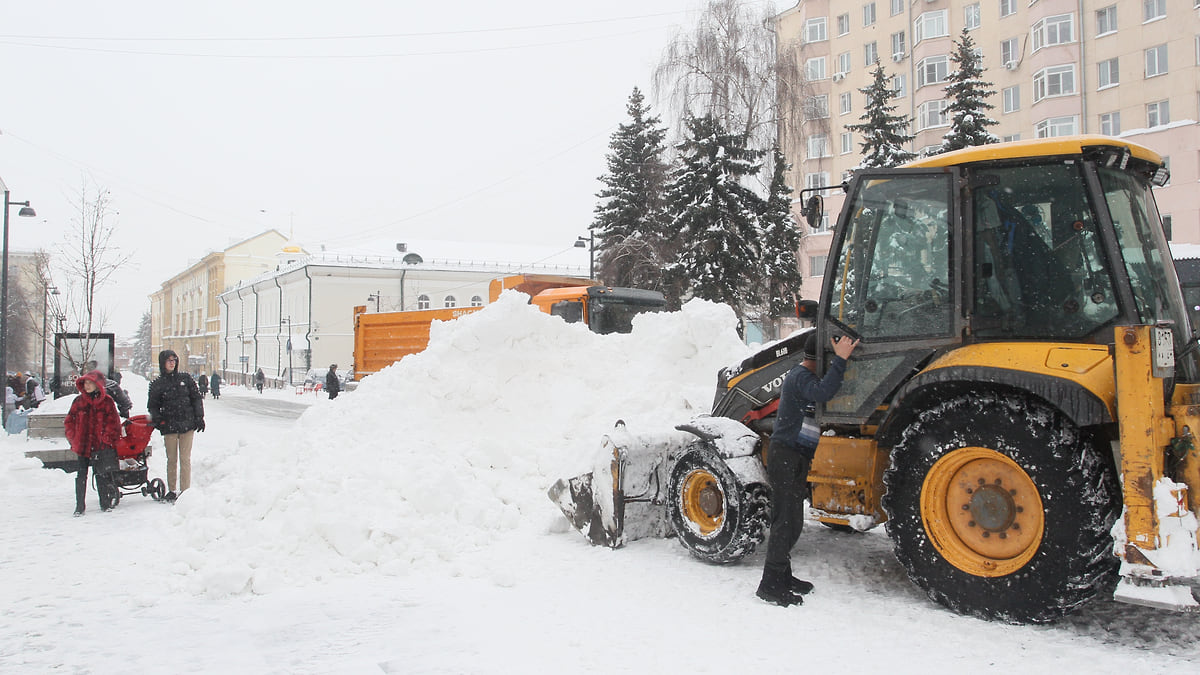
x=27 y=211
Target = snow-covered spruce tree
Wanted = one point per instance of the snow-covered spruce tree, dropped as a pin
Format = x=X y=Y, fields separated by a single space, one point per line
x=628 y=223
x=968 y=94
x=780 y=241
x=713 y=218
x=884 y=132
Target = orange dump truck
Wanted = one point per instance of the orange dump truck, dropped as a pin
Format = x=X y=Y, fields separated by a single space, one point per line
x=382 y=338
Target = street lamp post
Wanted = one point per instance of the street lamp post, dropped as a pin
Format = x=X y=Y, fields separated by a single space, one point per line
x=49 y=291
x=589 y=242
x=375 y=296
x=27 y=212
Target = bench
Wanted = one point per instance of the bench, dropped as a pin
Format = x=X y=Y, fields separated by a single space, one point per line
x=50 y=426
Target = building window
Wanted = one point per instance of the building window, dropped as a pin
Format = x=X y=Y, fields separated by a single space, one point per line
x=816 y=265
x=423 y=302
x=898 y=46
x=844 y=104
x=870 y=53
x=818 y=146
x=819 y=179
x=816 y=107
x=1012 y=98
x=1158 y=113
x=449 y=302
x=1008 y=51
x=930 y=25
x=1054 y=30
x=972 y=17
x=1156 y=61
x=843 y=62
x=476 y=301
x=900 y=86
x=933 y=70
x=847 y=142
x=869 y=14
x=1008 y=7
x=1110 y=124
x=1109 y=75
x=1010 y=138
x=814 y=69
x=932 y=114
x=1166 y=221
x=1153 y=9
x=897 y=7
x=1057 y=126
x=1054 y=81
x=1106 y=20
x=843 y=24
x=814 y=30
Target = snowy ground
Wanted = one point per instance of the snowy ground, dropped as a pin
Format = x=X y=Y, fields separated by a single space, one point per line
x=404 y=528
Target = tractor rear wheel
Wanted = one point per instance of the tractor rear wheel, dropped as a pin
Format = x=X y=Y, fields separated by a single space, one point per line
x=713 y=514
x=1001 y=508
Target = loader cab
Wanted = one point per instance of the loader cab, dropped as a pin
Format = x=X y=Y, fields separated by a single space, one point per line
x=604 y=309
x=1051 y=240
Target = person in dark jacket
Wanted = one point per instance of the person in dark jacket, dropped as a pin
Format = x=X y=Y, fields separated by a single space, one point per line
x=214 y=383
x=793 y=444
x=112 y=387
x=202 y=382
x=91 y=425
x=177 y=411
x=332 y=384
x=259 y=380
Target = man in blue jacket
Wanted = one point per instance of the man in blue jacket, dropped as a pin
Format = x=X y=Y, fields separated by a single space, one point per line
x=793 y=444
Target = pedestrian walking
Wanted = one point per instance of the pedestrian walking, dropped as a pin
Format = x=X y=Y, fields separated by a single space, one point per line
x=202 y=382
x=214 y=383
x=332 y=384
x=92 y=424
x=259 y=380
x=177 y=411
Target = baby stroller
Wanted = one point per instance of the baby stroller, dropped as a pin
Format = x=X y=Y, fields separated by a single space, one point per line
x=122 y=470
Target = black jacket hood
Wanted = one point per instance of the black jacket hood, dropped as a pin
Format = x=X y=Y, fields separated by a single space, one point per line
x=162 y=361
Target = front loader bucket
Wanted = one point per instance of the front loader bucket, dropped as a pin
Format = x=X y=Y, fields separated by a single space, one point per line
x=623 y=498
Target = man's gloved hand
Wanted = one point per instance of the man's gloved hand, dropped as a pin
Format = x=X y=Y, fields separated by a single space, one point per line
x=200 y=426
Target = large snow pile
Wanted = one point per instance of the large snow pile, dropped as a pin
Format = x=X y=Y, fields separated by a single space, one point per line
x=438 y=457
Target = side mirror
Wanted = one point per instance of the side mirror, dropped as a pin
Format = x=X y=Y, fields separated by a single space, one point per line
x=807 y=309
x=813 y=209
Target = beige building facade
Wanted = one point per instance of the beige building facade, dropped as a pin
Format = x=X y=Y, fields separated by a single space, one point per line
x=1128 y=68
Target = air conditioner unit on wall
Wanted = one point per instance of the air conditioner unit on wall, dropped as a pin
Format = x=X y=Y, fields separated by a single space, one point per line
x=897 y=57
x=1011 y=65
x=838 y=77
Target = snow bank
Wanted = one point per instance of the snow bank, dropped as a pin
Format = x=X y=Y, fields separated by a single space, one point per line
x=432 y=460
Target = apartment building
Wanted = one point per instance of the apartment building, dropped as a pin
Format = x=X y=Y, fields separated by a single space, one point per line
x=1128 y=68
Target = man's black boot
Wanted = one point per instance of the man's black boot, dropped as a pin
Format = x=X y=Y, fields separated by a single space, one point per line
x=801 y=586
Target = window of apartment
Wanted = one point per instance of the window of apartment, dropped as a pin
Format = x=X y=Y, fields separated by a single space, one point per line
x=932 y=114
x=816 y=265
x=844 y=104
x=933 y=70
x=1012 y=98
x=900 y=86
x=1166 y=221
x=1106 y=20
x=899 y=46
x=814 y=30
x=843 y=65
x=1054 y=81
x=422 y=302
x=897 y=7
x=870 y=53
x=930 y=25
x=1110 y=124
x=819 y=179
x=869 y=14
x=814 y=68
x=1010 y=138
x=1057 y=126
x=816 y=107
x=1158 y=113
x=843 y=24
x=972 y=16
x=449 y=301
x=1054 y=30
x=476 y=301
x=1153 y=9
x=818 y=146
x=1008 y=7
x=1109 y=75
x=847 y=142
x=1156 y=61
x=1008 y=51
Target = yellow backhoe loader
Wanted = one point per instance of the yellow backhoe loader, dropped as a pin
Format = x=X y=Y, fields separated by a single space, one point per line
x=1020 y=412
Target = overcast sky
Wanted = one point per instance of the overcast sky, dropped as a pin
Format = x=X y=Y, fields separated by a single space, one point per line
x=348 y=124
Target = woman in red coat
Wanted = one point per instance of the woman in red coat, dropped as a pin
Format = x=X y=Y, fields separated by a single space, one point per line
x=91 y=424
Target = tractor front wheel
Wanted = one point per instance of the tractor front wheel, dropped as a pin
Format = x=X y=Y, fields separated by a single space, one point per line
x=1000 y=507
x=713 y=514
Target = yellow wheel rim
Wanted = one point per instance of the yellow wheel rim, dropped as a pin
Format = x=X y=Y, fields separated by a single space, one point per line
x=982 y=512
x=703 y=501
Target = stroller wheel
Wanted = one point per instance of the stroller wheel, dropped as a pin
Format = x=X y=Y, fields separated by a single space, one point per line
x=158 y=489
x=110 y=496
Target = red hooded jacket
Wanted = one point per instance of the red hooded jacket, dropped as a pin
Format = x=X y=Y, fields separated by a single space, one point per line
x=92 y=423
